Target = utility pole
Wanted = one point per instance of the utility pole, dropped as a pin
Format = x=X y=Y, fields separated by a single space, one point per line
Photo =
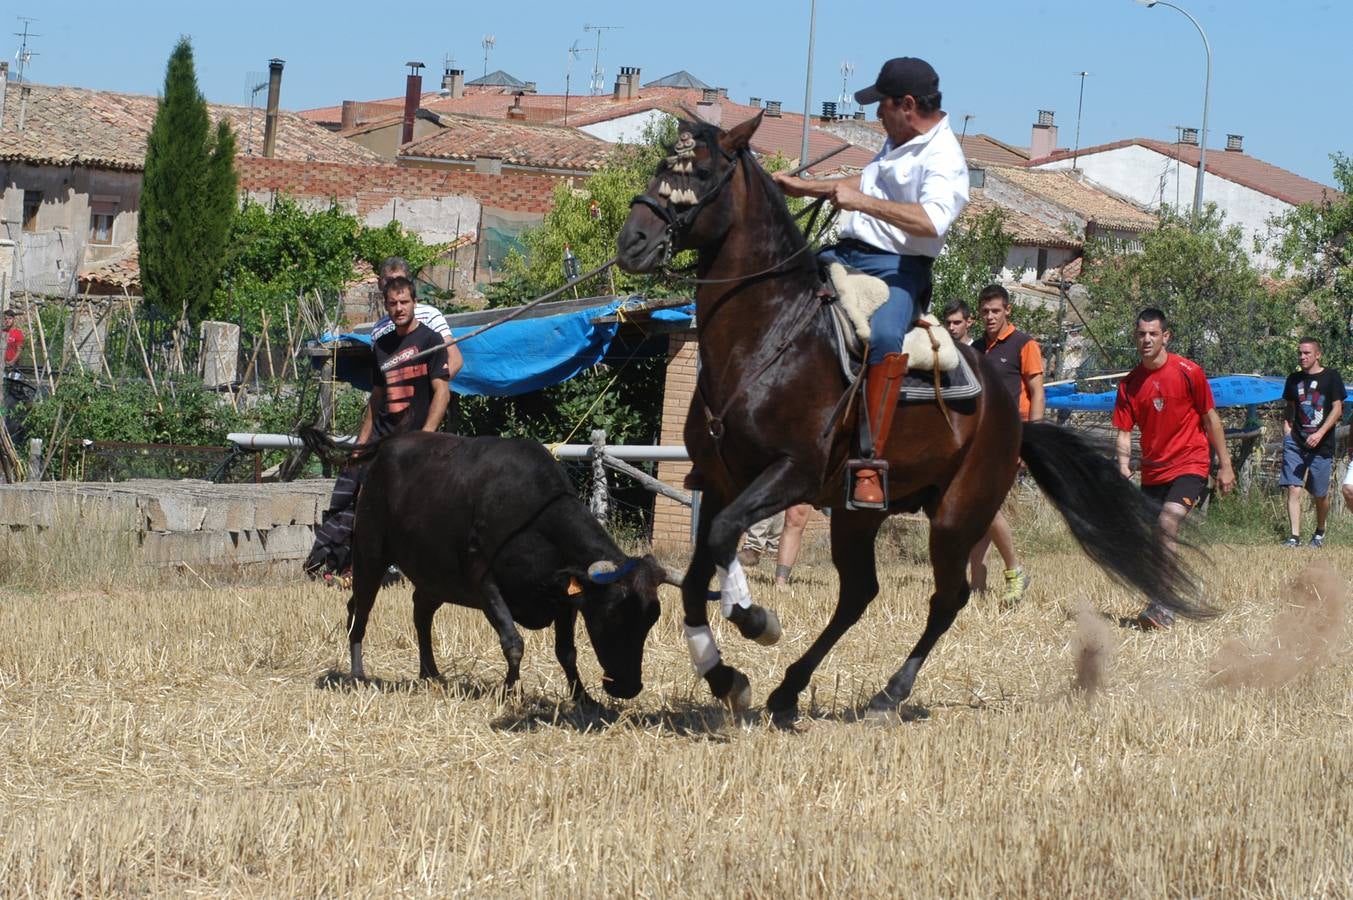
x=598 y=80
x=1079 y=104
x=808 y=82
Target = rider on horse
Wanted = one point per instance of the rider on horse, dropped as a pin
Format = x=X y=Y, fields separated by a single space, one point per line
x=897 y=212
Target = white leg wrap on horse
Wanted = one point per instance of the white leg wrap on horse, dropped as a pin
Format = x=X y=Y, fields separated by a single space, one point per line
x=733 y=588
x=704 y=652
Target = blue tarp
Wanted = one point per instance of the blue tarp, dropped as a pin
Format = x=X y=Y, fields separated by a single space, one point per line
x=1227 y=390
x=526 y=354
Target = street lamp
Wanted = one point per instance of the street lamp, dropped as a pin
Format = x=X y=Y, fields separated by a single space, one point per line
x=1207 y=90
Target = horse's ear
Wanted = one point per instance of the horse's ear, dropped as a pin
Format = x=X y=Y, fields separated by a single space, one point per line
x=739 y=136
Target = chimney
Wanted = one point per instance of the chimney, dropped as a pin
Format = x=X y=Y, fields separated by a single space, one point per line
x=829 y=110
x=773 y=109
x=529 y=87
x=413 y=93
x=453 y=82
x=515 y=112
x=348 y=117
x=1235 y=143
x=859 y=115
x=627 y=83
x=274 y=97
x=1188 y=136
x=753 y=101
x=709 y=108
x=723 y=93
x=1044 y=139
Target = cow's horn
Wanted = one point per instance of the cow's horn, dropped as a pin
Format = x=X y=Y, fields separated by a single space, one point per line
x=604 y=571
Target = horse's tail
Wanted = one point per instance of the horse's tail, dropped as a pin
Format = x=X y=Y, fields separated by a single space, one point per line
x=1111 y=519
x=324 y=446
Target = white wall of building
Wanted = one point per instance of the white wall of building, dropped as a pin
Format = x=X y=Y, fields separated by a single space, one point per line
x=1152 y=179
x=625 y=129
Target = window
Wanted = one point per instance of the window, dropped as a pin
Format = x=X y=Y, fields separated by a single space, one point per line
x=102 y=212
x=32 y=202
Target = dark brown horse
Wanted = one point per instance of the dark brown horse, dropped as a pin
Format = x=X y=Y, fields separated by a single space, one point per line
x=763 y=433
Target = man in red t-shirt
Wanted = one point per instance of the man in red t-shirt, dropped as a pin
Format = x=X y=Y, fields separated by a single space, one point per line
x=1169 y=399
x=13 y=339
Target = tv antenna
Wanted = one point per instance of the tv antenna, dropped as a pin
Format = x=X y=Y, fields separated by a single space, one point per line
x=487 y=43
x=254 y=82
x=1076 y=151
x=599 y=74
x=448 y=63
x=24 y=55
x=966 y=118
x=572 y=54
x=846 y=102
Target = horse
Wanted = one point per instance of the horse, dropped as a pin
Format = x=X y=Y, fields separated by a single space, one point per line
x=771 y=424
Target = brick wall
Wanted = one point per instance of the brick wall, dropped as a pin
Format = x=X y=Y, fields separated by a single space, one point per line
x=671 y=520
x=373 y=186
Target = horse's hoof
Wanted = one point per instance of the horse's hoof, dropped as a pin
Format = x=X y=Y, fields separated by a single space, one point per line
x=773 y=632
x=739 y=696
x=756 y=623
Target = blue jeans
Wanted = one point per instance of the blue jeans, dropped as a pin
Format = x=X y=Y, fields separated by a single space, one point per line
x=908 y=280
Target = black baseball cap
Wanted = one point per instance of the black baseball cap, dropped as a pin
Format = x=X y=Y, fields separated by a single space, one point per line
x=900 y=77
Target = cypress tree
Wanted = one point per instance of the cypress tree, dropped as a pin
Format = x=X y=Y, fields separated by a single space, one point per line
x=188 y=195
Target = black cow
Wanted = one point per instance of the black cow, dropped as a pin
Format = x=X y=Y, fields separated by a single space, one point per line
x=492 y=523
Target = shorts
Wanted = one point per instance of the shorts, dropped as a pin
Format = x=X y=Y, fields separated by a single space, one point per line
x=1348 y=475
x=1184 y=490
x=1303 y=466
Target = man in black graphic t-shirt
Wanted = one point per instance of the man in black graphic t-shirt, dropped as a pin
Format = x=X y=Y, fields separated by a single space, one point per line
x=404 y=396
x=1315 y=401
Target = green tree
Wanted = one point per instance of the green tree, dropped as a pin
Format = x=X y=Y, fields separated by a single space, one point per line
x=973 y=253
x=187 y=195
x=1316 y=251
x=588 y=221
x=1221 y=314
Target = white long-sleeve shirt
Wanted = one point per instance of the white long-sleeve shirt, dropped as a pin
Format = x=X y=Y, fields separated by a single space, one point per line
x=929 y=169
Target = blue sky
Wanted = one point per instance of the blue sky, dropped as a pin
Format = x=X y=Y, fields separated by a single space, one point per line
x=1279 y=72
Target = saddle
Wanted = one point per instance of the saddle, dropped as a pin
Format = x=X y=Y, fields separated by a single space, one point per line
x=853 y=298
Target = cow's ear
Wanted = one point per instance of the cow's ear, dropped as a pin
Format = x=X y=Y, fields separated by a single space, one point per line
x=572 y=581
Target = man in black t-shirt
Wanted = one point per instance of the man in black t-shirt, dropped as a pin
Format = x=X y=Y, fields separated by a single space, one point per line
x=404 y=396
x=1315 y=401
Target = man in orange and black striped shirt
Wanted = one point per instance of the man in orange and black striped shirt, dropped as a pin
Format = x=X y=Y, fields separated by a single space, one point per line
x=1018 y=362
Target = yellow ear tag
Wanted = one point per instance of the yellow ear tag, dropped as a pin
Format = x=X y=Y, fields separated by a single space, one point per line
x=574 y=588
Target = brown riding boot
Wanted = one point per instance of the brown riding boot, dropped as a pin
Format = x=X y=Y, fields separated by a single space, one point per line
x=882 y=386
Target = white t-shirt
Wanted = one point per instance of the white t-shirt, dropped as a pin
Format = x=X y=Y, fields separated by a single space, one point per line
x=427 y=315
x=929 y=169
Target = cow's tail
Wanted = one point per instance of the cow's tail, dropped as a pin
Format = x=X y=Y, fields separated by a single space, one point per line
x=324 y=446
x=1111 y=519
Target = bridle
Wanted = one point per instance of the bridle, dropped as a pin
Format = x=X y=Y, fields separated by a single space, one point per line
x=679 y=223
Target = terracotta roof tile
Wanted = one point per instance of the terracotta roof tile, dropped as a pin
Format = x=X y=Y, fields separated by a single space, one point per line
x=518 y=143
x=1240 y=168
x=1024 y=229
x=1067 y=191
x=121 y=271
x=104 y=129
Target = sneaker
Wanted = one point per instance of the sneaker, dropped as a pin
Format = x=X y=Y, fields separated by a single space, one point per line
x=1292 y=541
x=1016 y=582
x=1318 y=540
x=1155 y=618
x=749 y=558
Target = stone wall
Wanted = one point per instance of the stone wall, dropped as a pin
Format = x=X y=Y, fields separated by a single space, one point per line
x=192 y=522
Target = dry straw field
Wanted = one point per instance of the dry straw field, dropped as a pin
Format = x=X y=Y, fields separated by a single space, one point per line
x=180 y=737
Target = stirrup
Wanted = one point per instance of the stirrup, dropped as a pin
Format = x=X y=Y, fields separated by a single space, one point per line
x=854 y=465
